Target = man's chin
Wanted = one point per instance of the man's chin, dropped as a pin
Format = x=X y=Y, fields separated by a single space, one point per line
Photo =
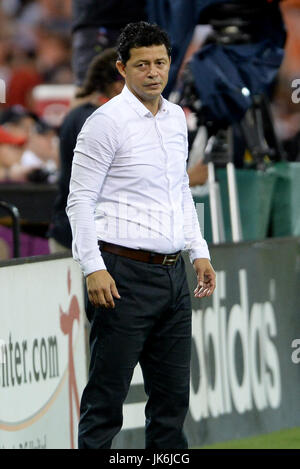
x=153 y=91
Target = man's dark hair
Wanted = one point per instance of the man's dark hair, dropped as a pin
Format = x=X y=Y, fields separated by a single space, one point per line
x=101 y=73
x=141 y=34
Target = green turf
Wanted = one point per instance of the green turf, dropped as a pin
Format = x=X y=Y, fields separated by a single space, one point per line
x=284 y=439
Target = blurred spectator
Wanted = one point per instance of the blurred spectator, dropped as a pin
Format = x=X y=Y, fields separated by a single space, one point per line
x=35 y=46
x=286 y=118
x=11 y=149
x=40 y=150
x=56 y=15
x=96 y=26
x=36 y=15
x=18 y=120
x=5 y=48
x=24 y=76
x=53 y=58
x=286 y=113
x=102 y=80
x=291 y=15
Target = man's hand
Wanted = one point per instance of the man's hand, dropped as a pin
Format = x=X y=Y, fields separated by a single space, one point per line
x=101 y=288
x=206 y=278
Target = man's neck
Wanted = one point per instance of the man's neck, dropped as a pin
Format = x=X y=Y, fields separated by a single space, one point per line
x=152 y=105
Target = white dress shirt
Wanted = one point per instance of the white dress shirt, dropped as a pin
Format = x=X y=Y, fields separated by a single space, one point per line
x=129 y=184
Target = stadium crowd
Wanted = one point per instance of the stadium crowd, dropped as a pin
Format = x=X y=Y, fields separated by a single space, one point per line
x=36 y=48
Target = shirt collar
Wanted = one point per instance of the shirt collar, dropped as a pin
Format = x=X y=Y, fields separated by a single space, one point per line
x=139 y=107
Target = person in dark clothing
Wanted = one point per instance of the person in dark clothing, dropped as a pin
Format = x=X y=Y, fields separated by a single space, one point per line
x=102 y=79
x=96 y=25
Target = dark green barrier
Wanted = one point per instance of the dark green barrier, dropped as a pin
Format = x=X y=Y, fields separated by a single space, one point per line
x=207 y=232
x=255 y=190
x=285 y=215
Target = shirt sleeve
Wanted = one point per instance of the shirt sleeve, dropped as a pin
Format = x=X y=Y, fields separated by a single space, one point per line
x=195 y=244
x=95 y=149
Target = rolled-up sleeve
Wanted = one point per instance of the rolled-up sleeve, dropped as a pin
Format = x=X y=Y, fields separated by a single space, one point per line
x=95 y=149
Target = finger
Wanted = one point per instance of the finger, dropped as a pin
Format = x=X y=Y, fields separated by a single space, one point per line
x=101 y=300
x=207 y=292
x=114 y=291
x=97 y=299
x=212 y=284
x=200 y=278
x=109 y=299
x=199 y=288
x=202 y=293
x=200 y=285
x=212 y=278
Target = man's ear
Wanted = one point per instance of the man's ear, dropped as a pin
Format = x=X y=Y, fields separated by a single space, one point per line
x=121 y=68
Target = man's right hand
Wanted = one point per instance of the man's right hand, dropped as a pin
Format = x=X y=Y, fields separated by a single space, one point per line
x=101 y=289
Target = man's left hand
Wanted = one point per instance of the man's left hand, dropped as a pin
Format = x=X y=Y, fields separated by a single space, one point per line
x=206 y=278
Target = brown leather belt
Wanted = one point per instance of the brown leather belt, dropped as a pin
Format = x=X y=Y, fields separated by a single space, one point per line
x=140 y=255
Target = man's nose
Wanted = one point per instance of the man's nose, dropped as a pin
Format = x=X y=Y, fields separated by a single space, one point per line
x=153 y=72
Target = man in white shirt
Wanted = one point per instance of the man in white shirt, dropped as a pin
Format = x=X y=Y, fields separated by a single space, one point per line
x=131 y=214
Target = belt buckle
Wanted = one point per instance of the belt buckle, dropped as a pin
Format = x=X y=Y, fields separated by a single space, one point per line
x=170 y=259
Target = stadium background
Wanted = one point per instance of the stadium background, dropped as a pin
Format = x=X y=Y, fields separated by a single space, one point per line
x=253 y=320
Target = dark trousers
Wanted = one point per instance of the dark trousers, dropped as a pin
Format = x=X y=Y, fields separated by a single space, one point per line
x=151 y=324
